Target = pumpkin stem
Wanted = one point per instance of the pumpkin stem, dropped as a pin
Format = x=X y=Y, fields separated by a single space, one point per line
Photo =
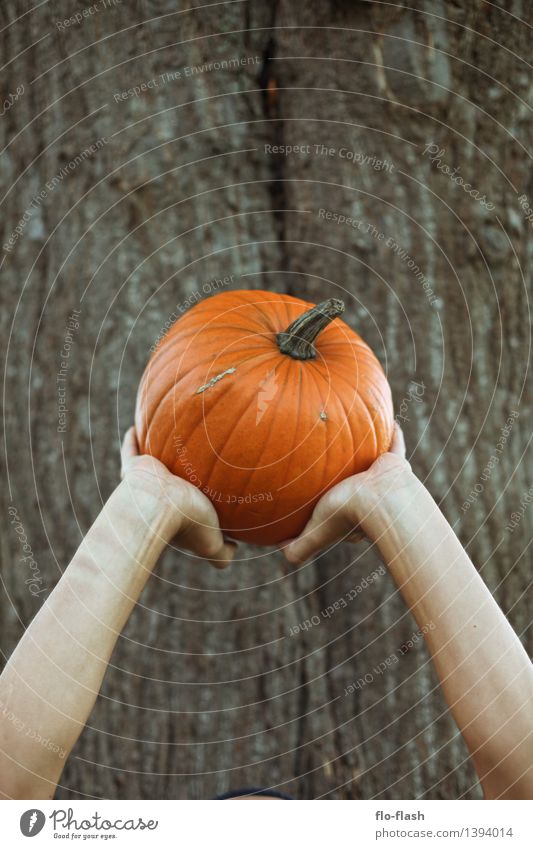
x=297 y=340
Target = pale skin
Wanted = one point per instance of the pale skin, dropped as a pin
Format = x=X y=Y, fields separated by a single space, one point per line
x=51 y=681
x=484 y=672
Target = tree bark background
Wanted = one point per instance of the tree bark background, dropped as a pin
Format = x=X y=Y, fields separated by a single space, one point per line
x=207 y=690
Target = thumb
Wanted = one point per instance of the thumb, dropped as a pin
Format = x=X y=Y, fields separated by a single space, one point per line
x=206 y=540
x=225 y=555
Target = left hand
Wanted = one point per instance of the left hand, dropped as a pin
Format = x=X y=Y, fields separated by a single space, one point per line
x=189 y=516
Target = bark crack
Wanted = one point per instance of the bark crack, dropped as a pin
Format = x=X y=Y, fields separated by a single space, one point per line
x=269 y=82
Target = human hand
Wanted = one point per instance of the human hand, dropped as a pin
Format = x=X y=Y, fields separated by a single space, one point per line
x=346 y=512
x=187 y=517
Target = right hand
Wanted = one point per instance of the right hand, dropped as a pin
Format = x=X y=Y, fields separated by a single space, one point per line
x=346 y=511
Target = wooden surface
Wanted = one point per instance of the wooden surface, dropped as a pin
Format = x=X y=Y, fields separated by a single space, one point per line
x=207 y=689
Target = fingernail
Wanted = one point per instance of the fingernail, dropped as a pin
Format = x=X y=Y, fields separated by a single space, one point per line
x=290 y=553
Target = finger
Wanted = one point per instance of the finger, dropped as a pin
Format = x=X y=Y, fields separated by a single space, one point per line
x=128 y=451
x=226 y=556
x=207 y=541
x=284 y=543
x=355 y=536
x=326 y=526
x=398 y=441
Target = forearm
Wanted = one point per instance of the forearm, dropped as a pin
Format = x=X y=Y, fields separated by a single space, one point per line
x=50 y=683
x=485 y=674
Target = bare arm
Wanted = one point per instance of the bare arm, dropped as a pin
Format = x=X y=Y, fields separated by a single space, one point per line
x=50 y=684
x=485 y=674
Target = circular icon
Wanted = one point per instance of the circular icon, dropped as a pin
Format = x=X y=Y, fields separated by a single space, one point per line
x=31 y=822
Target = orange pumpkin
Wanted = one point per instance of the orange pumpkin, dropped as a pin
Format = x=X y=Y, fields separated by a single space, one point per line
x=263 y=402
